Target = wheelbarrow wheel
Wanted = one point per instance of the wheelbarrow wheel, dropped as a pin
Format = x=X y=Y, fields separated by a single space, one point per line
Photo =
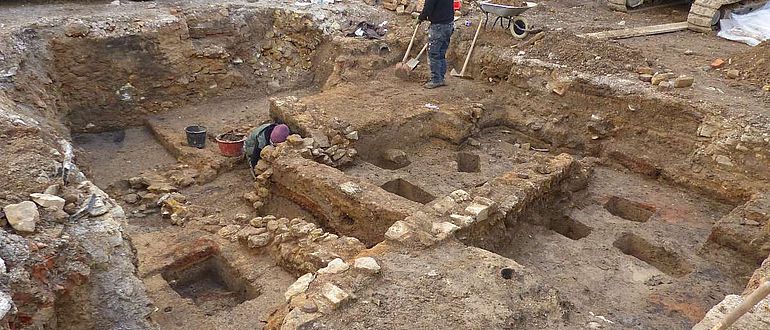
x=519 y=28
x=634 y=3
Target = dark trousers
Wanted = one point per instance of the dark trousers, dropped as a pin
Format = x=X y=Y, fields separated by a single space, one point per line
x=438 y=43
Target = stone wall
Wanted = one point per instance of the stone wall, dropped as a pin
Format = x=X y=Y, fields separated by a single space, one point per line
x=114 y=72
x=351 y=207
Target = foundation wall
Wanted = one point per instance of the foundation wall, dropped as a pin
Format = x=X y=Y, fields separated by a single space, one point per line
x=688 y=142
x=112 y=74
x=365 y=211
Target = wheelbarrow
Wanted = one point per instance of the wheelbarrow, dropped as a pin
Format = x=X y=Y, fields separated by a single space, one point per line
x=508 y=16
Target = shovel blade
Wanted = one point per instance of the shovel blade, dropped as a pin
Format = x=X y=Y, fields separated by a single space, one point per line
x=454 y=73
x=412 y=63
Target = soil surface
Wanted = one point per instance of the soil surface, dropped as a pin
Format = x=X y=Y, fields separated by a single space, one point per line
x=753 y=64
x=653 y=261
x=112 y=156
x=632 y=249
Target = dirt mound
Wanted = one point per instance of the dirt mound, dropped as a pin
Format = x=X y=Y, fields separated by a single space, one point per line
x=597 y=56
x=754 y=63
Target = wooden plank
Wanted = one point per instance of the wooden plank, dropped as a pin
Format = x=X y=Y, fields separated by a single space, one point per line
x=637 y=32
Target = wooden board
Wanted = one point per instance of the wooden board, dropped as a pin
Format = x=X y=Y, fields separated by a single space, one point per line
x=637 y=32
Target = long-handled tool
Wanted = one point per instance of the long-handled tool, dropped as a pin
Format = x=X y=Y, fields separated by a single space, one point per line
x=401 y=69
x=748 y=303
x=461 y=74
x=412 y=63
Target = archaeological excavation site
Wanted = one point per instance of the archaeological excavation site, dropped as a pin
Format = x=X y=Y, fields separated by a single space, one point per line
x=589 y=164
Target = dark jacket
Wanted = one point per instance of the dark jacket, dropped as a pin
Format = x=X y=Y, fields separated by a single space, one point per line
x=258 y=139
x=438 y=11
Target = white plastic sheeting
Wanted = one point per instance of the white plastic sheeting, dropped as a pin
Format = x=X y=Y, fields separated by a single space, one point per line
x=751 y=28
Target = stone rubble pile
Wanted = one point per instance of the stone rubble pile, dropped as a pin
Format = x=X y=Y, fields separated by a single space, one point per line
x=152 y=193
x=329 y=146
x=731 y=143
x=458 y=210
x=298 y=245
x=664 y=79
x=316 y=294
x=74 y=203
x=263 y=171
x=402 y=6
x=53 y=229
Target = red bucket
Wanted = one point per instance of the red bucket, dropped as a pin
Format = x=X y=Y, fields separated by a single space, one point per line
x=231 y=144
x=457 y=5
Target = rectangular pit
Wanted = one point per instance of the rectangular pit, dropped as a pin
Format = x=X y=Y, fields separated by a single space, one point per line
x=659 y=257
x=570 y=228
x=629 y=210
x=408 y=190
x=468 y=162
x=212 y=284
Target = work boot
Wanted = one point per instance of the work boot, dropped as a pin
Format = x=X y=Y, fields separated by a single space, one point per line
x=432 y=85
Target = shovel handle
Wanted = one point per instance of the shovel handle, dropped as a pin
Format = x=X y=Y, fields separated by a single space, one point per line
x=470 y=51
x=424 y=47
x=411 y=42
x=748 y=303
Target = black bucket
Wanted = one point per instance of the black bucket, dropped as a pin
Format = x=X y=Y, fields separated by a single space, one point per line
x=196 y=136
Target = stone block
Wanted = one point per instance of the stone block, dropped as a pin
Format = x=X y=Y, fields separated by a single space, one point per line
x=478 y=211
x=49 y=202
x=644 y=70
x=445 y=205
x=660 y=77
x=350 y=188
x=335 y=266
x=462 y=220
x=367 y=264
x=399 y=231
x=396 y=156
x=444 y=229
x=460 y=195
x=299 y=286
x=22 y=216
x=259 y=240
x=683 y=81
x=334 y=294
x=229 y=231
x=320 y=139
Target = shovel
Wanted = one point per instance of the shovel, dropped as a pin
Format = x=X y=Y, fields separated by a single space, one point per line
x=412 y=63
x=402 y=70
x=461 y=74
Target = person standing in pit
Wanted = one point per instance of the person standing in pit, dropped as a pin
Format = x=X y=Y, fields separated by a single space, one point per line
x=440 y=13
x=262 y=136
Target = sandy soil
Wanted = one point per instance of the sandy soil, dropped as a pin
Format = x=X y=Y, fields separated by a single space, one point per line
x=653 y=283
x=581 y=258
x=121 y=154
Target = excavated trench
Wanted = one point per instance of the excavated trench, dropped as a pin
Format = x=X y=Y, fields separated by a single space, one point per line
x=624 y=228
x=122 y=85
x=626 y=245
x=618 y=230
x=589 y=240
